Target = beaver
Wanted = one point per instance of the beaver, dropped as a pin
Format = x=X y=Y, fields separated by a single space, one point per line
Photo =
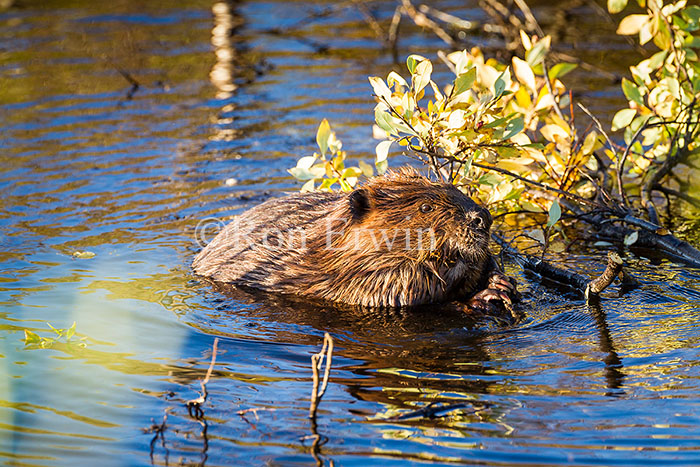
x=399 y=240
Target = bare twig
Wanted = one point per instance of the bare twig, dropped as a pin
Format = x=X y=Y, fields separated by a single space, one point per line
x=371 y=20
x=316 y=363
x=393 y=37
x=423 y=21
x=448 y=18
x=563 y=193
x=621 y=164
x=194 y=406
x=679 y=194
x=612 y=270
x=135 y=85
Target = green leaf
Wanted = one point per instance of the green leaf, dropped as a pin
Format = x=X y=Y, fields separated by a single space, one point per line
x=623 y=118
x=561 y=69
x=464 y=81
x=536 y=54
x=412 y=61
x=322 y=135
x=514 y=127
x=31 y=337
x=554 y=213
x=528 y=206
x=616 y=6
x=490 y=179
x=381 y=167
x=301 y=174
x=631 y=91
x=692 y=13
x=384 y=121
x=500 y=84
x=498 y=122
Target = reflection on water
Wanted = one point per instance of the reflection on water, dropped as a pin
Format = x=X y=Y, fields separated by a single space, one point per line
x=229 y=95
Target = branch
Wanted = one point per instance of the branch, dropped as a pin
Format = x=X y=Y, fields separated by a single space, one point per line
x=695 y=202
x=316 y=362
x=589 y=289
x=423 y=21
x=194 y=406
x=566 y=194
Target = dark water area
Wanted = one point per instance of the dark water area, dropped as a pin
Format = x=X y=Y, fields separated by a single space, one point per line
x=228 y=97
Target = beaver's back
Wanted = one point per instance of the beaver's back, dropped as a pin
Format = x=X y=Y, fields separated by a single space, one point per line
x=254 y=248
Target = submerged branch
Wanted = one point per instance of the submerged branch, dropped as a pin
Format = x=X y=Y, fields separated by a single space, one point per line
x=589 y=289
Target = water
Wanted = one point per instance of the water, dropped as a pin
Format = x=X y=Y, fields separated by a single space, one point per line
x=94 y=164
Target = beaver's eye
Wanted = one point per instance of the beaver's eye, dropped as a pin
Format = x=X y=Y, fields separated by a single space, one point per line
x=425 y=207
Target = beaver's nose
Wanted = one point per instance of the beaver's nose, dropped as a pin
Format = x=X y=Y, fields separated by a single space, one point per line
x=480 y=220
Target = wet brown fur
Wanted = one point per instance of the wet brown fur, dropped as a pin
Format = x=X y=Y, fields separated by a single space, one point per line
x=360 y=267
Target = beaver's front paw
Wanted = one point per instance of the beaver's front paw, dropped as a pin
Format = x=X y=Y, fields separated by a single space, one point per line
x=501 y=282
x=487 y=301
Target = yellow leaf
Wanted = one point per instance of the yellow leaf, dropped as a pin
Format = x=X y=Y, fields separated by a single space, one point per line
x=524 y=74
x=382 y=151
x=522 y=97
x=551 y=132
x=589 y=143
x=422 y=76
x=632 y=24
x=395 y=78
x=367 y=169
x=308 y=186
x=517 y=165
x=525 y=39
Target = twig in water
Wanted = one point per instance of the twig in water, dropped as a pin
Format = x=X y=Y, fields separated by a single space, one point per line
x=158 y=429
x=612 y=270
x=432 y=410
x=194 y=406
x=393 y=37
x=316 y=362
x=135 y=85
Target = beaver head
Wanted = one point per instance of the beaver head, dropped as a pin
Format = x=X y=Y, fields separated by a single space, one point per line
x=418 y=217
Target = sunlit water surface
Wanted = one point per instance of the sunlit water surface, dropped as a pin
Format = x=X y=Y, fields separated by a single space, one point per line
x=234 y=92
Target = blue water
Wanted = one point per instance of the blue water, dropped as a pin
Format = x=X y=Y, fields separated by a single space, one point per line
x=89 y=167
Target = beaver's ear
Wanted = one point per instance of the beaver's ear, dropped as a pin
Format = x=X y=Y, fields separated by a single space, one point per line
x=360 y=203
